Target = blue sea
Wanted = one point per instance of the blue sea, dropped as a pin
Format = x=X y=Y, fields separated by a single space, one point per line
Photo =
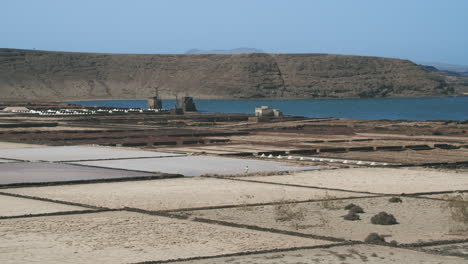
x=446 y=108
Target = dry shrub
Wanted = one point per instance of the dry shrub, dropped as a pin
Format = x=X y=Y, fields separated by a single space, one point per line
x=458 y=208
x=295 y=214
x=289 y=212
x=245 y=201
x=330 y=203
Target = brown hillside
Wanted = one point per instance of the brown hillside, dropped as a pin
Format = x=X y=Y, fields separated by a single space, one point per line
x=42 y=75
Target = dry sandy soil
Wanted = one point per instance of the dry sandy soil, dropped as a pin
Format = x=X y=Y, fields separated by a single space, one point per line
x=343 y=254
x=123 y=237
x=12 y=206
x=432 y=223
x=176 y=193
x=376 y=180
x=12 y=145
x=458 y=249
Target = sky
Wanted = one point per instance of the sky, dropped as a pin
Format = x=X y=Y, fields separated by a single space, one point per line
x=419 y=30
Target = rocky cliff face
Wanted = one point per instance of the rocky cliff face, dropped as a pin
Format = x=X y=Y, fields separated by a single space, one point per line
x=26 y=75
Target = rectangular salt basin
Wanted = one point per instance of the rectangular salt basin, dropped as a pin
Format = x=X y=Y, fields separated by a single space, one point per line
x=78 y=153
x=196 y=165
x=124 y=237
x=377 y=180
x=174 y=194
x=322 y=219
x=13 y=206
x=38 y=172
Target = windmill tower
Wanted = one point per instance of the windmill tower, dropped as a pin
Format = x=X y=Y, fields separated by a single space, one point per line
x=154 y=102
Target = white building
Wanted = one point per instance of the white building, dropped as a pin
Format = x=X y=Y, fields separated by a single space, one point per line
x=266 y=111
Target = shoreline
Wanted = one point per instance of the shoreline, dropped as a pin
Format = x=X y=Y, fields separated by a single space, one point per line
x=259 y=99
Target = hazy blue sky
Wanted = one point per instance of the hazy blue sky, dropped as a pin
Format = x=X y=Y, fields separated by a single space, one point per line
x=427 y=30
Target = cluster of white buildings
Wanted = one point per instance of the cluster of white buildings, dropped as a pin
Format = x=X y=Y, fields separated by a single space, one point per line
x=52 y=112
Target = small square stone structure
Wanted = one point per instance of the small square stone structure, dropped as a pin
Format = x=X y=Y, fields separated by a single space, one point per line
x=266 y=111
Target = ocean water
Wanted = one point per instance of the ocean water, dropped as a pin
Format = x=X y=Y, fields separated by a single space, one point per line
x=446 y=108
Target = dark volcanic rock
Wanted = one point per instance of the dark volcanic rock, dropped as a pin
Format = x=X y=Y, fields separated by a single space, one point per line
x=354 y=208
x=27 y=74
x=383 y=218
x=349 y=206
x=395 y=200
x=375 y=238
x=351 y=216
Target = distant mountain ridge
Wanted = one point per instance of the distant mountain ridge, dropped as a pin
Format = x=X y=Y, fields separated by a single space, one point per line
x=220 y=51
x=446 y=67
x=44 y=75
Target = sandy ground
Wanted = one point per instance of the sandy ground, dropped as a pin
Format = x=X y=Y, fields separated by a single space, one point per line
x=448 y=196
x=122 y=237
x=35 y=172
x=196 y=165
x=458 y=249
x=12 y=206
x=432 y=223
x=343 y=254
x=68 y=153
x=176 y=193
x=376 y=180
x=10 y=145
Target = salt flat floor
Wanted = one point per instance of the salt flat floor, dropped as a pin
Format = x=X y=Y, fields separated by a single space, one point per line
x=322 y=218
x=296 y=218
x=14 y=206
x=196 y=165
x=343 y=254
x=460 y=249
x=376 y=180
x=125 y=237
x=43 y=172
x=76 y=153
x=170 y=194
